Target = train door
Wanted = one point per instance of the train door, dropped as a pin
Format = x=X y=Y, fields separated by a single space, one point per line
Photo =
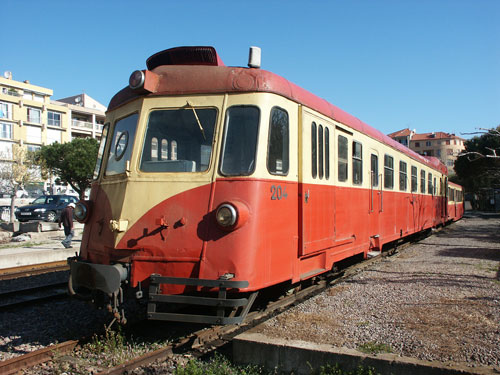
x=375 y=198
x=316 y=191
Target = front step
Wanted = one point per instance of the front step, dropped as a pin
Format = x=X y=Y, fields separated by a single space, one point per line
x=373 y=254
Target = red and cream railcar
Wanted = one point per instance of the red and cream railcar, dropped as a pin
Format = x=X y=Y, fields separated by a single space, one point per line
x=455 y=202
x=215 y=182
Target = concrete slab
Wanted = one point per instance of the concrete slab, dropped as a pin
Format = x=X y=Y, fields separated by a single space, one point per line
x=302 y=357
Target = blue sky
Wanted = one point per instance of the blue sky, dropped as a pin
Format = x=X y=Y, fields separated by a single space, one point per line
x=427 y=65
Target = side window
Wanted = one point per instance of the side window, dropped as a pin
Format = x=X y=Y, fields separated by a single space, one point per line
x=240 y=141
x=164 y=149
x=320 y=151
x=414 y=179
x=422 y=181
x=100 y=153
x=314 y=151
x=435 y=186
x=154 y=148
x=388 y=172
x=402 y=176
x=327 y=153
x=277 y=153
x=122 y=142
x=342 y=156
x=357 y=163
x=429 y=183
x=374 y=170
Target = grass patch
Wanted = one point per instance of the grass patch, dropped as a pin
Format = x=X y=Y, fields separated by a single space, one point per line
x=217 y=365
x=374 y=348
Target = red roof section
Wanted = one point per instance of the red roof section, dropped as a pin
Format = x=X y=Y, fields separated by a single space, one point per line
x=196 y=79
x=435 y=135
x=401 y=133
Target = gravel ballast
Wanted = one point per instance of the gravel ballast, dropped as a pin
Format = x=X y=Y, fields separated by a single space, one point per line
x=437 y=300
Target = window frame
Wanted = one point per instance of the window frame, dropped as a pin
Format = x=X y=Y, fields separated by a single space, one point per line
x=285 y=152
x=414 y=179
x=403 y=176
x=343 y=162
x=388 y=172
x=357 y=162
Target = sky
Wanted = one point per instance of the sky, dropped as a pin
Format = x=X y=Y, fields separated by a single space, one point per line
x=429 y=65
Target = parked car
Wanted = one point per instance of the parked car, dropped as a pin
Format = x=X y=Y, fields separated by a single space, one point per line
x=46 y=207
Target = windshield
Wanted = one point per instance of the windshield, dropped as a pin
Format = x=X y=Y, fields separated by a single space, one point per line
x=46 y=200
x=121 y=145
x=179 y=140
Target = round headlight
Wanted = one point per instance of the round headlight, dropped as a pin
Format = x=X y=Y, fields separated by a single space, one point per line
x=81 y=212
x=226 y=215
x=136 y=79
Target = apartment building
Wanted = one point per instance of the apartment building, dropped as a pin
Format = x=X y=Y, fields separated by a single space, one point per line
x=29 y=117
x=444 y=146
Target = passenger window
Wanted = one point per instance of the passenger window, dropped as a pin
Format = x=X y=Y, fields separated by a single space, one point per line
x=429 y=183
x=414 y=179
x=154 y=148
x=121 y=145
x=320 y=151
x=374 y=170
x=240 y=141
x=402 y=176
x=388 y=172
x=277 y=153
x=164 y=149
x=435 y=186
x=314 y=152
x=327 y=153
x=357 y=163
x=422 y=181
x=193 y=131
x=343 y=153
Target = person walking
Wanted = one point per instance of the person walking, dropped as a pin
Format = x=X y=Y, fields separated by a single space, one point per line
x=66 y=219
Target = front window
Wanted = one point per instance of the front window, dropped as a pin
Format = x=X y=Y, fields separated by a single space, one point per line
x=240 y=141
x=122 y=142
x=179 y=140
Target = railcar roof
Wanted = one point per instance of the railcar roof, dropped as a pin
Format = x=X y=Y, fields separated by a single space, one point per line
x=213 y=79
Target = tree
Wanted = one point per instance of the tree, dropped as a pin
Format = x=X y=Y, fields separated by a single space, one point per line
x=72 y=162
x=479 y=165
x=16 y=173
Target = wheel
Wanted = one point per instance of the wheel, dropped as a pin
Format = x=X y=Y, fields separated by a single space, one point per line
x=51 y=216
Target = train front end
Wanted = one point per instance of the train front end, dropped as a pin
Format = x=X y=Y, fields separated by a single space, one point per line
x=153 y=215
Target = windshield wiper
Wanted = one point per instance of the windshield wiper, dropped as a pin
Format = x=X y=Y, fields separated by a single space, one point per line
x=197 y=120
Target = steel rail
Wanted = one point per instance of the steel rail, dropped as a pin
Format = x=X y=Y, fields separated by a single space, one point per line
x=33 y=269
x=28 y=296
x=16 y=364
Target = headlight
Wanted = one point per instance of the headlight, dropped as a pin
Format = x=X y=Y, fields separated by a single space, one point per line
x=226 y=215
x=81 y=212
x=40 y=209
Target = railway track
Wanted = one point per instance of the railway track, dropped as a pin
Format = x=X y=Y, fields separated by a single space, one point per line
x=206 y=339
x=32 y=270
x=22 y=297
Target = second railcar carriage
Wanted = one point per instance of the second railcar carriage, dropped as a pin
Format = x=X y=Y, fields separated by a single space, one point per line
x=216 y=182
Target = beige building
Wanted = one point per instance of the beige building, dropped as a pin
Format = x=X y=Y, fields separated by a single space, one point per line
x=29 y=117
x=444 y=146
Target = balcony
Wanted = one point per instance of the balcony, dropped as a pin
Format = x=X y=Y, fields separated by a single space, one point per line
x=81 y=124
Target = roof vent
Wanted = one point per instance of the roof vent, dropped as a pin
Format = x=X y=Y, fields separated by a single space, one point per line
x=185 y=56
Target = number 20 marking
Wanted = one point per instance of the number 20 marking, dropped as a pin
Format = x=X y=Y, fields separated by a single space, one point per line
x=277 y=193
